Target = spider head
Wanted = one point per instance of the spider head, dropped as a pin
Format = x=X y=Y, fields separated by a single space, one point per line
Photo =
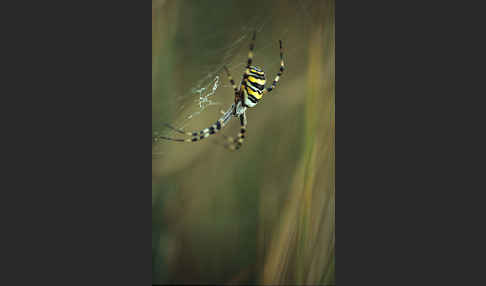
x=254 y=84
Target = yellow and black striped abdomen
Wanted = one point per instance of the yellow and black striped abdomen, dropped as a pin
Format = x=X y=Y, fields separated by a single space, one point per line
x=253 y=85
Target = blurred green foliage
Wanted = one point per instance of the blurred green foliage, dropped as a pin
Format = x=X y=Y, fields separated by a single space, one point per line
x=263 y=214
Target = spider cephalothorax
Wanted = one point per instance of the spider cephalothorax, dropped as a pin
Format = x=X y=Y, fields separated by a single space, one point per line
x=248 y=94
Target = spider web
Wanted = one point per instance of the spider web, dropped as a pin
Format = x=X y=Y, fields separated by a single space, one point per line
x=206 y=88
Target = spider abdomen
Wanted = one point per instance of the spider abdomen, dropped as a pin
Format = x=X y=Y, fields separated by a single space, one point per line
x=253 y=85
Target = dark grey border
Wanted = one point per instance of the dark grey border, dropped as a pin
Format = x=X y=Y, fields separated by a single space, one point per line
x=407 y=131
x=80 y=201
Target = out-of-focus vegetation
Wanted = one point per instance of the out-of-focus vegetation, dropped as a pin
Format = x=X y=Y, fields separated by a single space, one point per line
x=265 y=213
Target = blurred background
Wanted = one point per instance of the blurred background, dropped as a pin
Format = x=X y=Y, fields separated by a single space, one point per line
x=263 y=214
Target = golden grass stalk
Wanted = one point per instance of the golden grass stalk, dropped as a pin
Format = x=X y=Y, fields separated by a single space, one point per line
x=302 y=251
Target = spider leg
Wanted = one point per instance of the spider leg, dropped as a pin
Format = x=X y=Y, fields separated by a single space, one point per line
x=233 y=84
x=250 y=53
x=198 y=135
x=235 y=143
x=178 y=130
x=279 y=74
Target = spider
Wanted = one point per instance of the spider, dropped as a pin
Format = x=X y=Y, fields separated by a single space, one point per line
x=247 y=95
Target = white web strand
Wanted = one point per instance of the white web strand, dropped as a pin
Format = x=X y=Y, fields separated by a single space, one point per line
x=204 y=101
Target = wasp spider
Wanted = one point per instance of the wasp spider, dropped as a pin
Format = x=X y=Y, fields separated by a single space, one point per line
x=247 y=95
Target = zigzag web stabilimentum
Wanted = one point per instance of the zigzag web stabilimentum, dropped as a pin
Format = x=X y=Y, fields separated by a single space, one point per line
x=196 y=102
